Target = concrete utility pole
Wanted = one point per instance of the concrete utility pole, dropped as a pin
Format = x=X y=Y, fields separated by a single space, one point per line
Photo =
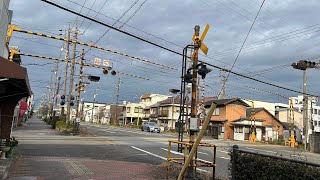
x=117 y=97
x=55 y=87
x=72 y=73
x=305 y=110
x=223 y=76
x=66 y=68
x=94 y=99
x=79 y=84
x=304 y=65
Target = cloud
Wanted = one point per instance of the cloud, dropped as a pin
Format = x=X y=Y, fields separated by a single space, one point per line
x=174 y=21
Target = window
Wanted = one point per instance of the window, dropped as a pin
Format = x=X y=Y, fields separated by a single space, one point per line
x=136 y=110
x=128 y=109
x=315 y=123
x=216 y=112
x=221 y=129
x=238 y=129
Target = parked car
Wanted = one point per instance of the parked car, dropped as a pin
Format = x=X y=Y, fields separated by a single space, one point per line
x=150 y=127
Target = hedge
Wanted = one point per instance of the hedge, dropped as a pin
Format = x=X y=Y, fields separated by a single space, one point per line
x=248 y=166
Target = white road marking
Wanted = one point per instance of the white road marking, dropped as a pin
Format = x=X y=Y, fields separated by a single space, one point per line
x=223 y=151
x=224 y=158
x=150 y=153
x=163 y=158
x=175 y=152
x=203 y=153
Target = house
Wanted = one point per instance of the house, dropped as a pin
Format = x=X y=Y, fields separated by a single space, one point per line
x=92 y=111
x=231 y=120
x=113 y=114
x=169 y=111
x=133 y=112
x=271 y=128
x=227 y=110
x=150 y=99
x=14 y=82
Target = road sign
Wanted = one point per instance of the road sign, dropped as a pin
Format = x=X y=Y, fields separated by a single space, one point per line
x=58 y=96
x=97 y=61
x=106 y=63
x=203 y=47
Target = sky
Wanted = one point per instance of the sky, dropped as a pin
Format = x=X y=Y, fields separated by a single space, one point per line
x=284 y=32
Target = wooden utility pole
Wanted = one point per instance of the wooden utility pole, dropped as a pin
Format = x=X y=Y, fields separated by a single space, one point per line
x=72 y=73
x=66 y=68
x=79 y=84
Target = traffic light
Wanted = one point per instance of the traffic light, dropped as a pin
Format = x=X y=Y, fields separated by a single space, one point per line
x=203 y=71
x=105 y=71
x=94 y=78
x=62 y=102
x=71 y=100
x=310 y=64
x=303 y=65
x=63 y=97
x=188 y=77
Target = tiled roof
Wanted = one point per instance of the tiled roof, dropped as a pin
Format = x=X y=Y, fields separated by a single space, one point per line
x=145 y=96
x=224 y=102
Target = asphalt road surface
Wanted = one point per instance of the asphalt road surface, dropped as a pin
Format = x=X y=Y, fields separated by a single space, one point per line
x=110 y=151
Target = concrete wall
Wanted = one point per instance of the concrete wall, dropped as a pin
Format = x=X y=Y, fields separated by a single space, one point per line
x=261 y=104
x=5 y=19
x=315 y=143
x=284 y=116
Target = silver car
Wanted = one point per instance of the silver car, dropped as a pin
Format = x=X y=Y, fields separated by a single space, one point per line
x=150 y=127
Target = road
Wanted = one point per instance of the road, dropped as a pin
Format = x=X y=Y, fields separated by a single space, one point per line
x=111 y=151
x=156 y=145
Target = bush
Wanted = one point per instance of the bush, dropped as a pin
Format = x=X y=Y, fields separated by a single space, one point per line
x=248 y=166
x=61 y=125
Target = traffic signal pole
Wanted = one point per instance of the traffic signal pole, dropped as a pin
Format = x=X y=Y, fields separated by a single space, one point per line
x=72 y=74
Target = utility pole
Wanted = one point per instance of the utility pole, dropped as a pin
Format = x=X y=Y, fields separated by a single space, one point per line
x=79 y=84
x=66 y=68
x=72 y=73
x=304 y=65
x=223 y=76
x=55 y=87
x=117 y=97
x=94 y=99
x=305 y=110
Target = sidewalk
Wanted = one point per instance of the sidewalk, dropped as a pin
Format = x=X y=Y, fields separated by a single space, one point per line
x=43 y=154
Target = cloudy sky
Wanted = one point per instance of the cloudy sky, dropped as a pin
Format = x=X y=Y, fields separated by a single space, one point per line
x=285 y=32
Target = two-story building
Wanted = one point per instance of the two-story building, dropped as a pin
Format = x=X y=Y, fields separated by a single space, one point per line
x=232 y=119
x=93 y=112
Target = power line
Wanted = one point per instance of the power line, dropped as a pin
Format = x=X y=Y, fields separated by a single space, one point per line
x=111 y=27
x=135 y=12
x=134 y=3
x=170 y=50
x=234 y=62
x=88 y=13
x=95 y=15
